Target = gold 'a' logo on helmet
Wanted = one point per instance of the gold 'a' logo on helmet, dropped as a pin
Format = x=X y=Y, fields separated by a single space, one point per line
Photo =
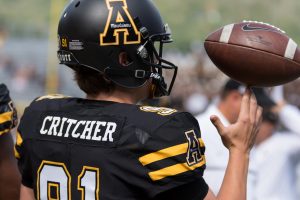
x=119 y=22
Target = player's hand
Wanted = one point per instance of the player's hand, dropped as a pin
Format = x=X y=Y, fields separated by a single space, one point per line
x=241 y=135
x=8 y=113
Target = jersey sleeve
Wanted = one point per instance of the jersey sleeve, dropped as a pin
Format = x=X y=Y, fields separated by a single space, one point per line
x=8 y=114
x=194 y=190
x=175 y=155
x=22 y=148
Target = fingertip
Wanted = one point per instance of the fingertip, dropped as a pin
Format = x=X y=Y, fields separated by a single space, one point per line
x=217 y=123
x=253 y=97
x=247 y=94
x=213 y=118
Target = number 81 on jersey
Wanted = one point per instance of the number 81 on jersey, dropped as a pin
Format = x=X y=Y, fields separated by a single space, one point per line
x=54 y=182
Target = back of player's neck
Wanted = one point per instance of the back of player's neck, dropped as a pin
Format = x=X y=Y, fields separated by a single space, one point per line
x=114 y=97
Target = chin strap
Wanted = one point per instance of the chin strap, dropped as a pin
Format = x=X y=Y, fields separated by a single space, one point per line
x=140 y=74
x=158 y=81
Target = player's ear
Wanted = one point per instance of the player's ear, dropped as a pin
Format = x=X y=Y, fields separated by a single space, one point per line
x=124 y=59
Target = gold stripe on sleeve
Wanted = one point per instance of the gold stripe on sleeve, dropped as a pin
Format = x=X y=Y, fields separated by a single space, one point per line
x=17 y=155
x=166 y=153
x=19 y=139
x=4 y=131
x=4 y=117
x=174 y=170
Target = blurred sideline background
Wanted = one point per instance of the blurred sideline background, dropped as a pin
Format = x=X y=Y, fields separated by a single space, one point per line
x=28 y=44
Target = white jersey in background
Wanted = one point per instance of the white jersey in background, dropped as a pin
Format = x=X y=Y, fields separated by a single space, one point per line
x=276 y=160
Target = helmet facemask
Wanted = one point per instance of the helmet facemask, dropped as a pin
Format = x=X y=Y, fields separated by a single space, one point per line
x=151 y=54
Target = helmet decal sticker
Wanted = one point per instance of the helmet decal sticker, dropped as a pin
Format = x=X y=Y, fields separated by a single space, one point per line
x=64 y=42
x=119 y=22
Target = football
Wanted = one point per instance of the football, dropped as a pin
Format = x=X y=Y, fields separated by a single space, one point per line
x=254 y=53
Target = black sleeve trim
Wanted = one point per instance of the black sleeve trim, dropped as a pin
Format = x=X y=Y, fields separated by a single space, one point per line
x=195 y=190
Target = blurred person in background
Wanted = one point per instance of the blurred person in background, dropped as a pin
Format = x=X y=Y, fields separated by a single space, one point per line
x=227 y=108
x=9 y=176
x=277 y=152
x=196 y=103
x=289 y=114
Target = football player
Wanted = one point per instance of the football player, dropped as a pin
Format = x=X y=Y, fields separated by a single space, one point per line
x=9 y=176
x=106 y=147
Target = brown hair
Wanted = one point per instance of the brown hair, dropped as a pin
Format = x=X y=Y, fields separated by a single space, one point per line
x=91 y=81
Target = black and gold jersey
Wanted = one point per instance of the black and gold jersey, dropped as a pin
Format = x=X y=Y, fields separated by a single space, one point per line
x=5 y=122
x=71 y=148
x=8 y=114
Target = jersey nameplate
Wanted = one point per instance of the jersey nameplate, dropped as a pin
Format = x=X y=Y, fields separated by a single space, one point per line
x=103 y=129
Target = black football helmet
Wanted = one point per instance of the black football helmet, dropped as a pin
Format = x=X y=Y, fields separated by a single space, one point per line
x=92 y=34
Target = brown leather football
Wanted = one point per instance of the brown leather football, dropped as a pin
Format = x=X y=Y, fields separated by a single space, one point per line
x=254 y=53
